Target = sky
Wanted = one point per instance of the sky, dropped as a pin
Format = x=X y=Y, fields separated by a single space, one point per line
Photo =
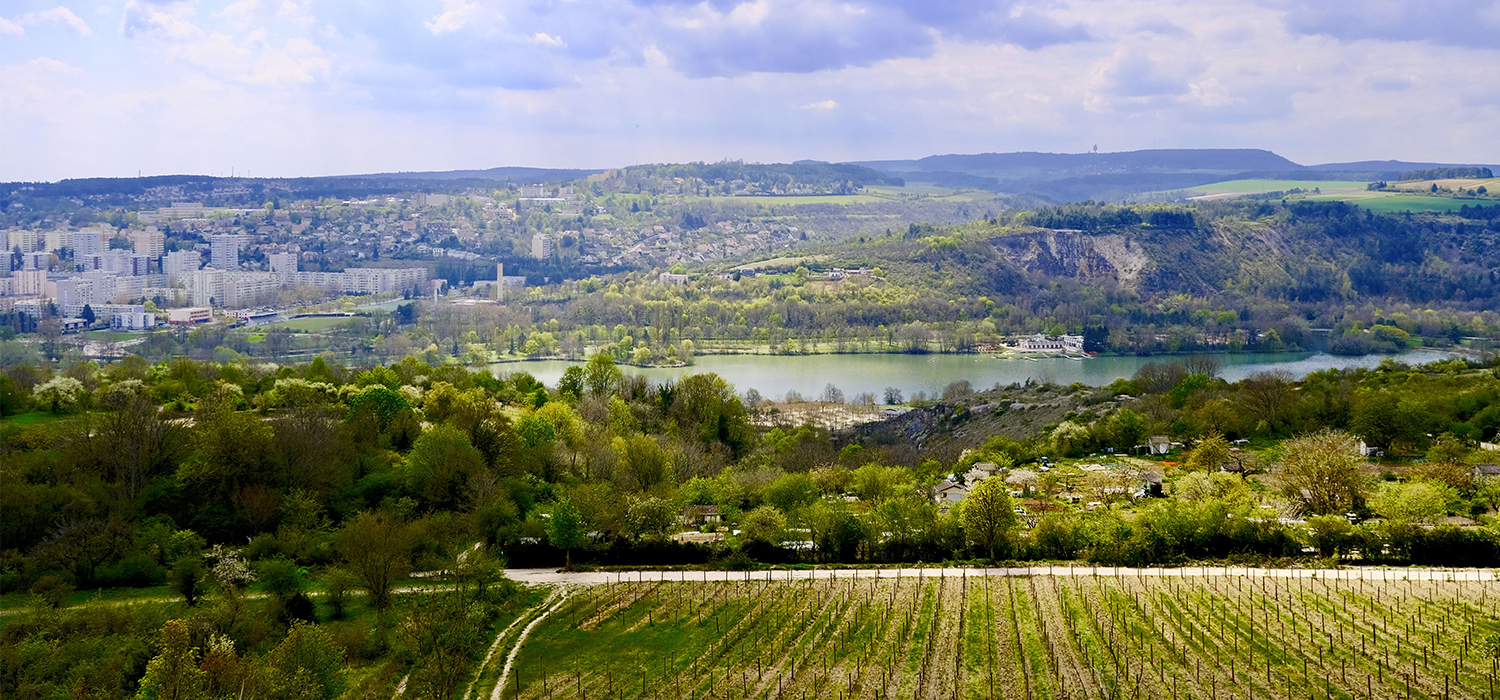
x=317 y=87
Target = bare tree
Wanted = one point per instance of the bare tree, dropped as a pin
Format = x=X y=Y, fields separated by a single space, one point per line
x=1203 y=364
x=134 y=443
x=1267 y=395
x=1322 y=472
x=377 y=547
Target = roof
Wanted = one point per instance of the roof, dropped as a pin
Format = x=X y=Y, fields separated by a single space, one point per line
x=946 y=485
x=1487 y=469
x=1151 y=477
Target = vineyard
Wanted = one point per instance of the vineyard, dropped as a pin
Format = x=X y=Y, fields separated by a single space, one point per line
x=1014 y=637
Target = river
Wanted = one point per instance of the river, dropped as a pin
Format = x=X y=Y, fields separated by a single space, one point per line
x=774 y=375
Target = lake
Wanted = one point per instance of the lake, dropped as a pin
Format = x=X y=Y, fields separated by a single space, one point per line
x=774 y=375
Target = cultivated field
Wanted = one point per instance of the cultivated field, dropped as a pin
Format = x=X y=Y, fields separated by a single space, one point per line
x=1467 y=183
x=1385 y=203
x=1240 y=188
x=1014 y=637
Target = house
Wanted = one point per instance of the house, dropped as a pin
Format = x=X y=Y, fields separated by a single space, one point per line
x=947 y=493
x=980 y=470
x=1487 y=471
x=1158 y=445
x=701 y=515
x=1043 y=343
x=1151 y=485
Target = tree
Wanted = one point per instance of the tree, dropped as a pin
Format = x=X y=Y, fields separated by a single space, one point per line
x=88 y=314
x=1321 y=472
x=766 y=524
x=1418 y=503
x=1128 y=427
x=59 y=394
x=988 y=514
x=571 y=385
x=134 y=443
x=307 y=665
x=792 y=492
x=186 y=577
x=649 y=516
x=1211 y=453
x=381 y=401
x=565 y=530
x=642 y=459
x=601 y=375
x=376 y=547
x=173 y=673
x=893 y=396
x=440 y=465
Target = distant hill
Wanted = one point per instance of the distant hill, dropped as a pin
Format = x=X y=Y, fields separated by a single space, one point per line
x=1072 y=177
x=1386 y=166
x=1053 y=166
x=500 y=174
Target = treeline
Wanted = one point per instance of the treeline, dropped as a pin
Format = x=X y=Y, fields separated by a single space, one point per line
x=1090 y=217
x=285 y=459
x=1448 y=173
x=1479 y=211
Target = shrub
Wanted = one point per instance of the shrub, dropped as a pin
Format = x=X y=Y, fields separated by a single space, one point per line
x=52 y=590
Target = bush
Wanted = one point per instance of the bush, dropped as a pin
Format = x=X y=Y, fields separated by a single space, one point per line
x=52 y=590
x=338 y=583
x=298 y=607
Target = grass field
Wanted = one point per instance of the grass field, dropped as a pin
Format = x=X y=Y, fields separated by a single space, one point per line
x=1244 y=187
x=783 y=262
x=310 y=325
x=1387 y=203
x=32 y=418
x=1219 y=637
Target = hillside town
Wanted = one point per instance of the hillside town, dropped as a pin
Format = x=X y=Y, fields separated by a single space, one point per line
x=129 y=271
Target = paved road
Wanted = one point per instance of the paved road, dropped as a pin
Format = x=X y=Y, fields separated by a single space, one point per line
x=553 y=576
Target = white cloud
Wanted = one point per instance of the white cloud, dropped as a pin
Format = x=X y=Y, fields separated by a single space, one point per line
x=59 y=15
x=458 y=14
x=169 y=22
x=306 y=85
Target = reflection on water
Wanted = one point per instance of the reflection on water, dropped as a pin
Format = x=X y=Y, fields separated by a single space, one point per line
x=774 y=375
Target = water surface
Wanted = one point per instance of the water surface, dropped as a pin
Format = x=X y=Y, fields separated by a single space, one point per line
x=774 y=375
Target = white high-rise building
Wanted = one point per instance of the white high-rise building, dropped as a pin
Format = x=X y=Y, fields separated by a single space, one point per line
x=28 y=283
x=73 y=290
x=225 y=251
x=90 y=241
x=541 y=246
x=150 y=242
x=28 y=240
x=179 y=263
x=207 y=286
x=282 y=262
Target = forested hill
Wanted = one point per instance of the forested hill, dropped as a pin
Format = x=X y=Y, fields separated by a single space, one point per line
x=1206 y=270
x=1222 y=160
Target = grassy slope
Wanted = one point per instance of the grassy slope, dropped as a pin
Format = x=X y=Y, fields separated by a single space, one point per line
x=1258 y=186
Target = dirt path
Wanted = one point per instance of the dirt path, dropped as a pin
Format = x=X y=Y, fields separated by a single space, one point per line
x=510 y=659
x=592 y=578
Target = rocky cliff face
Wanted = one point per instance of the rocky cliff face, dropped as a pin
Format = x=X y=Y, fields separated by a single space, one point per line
x=1075 y=254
